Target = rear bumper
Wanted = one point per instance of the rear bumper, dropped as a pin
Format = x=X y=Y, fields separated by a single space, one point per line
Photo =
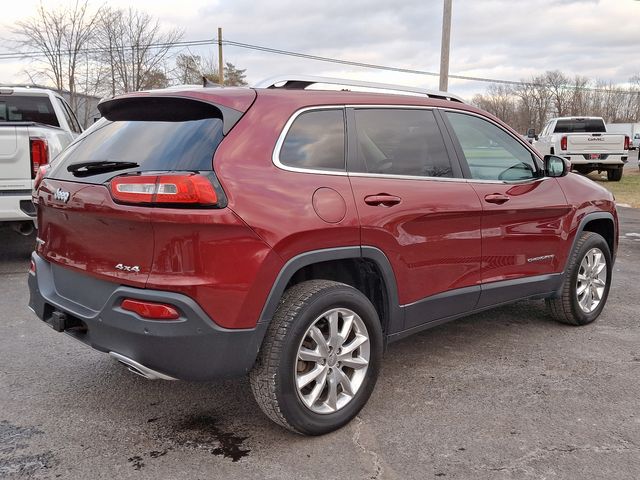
x=14 y=206
x=610 y=160
x=190 y=348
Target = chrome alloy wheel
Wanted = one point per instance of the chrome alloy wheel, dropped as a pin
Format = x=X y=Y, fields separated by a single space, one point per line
x=592 y=280
x=332 y=361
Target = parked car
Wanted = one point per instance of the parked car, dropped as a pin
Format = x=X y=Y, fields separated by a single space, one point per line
x=35 y=125
x=584 y=141
x=636 y=142
x=291 y=234
x=628 y=129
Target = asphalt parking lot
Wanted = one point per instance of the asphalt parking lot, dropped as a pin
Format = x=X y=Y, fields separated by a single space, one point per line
x=508 y=394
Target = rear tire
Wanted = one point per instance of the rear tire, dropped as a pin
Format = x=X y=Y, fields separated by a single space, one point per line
x=302 y=343
x=614 y=175
x=588 y=278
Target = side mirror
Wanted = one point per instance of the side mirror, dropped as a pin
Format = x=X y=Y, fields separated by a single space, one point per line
x=556 y=166
x=531 y=133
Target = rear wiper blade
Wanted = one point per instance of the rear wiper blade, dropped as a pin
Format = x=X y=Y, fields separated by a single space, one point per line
x=85 y=169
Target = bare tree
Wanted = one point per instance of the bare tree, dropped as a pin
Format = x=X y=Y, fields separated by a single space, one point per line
x=557 y=85
x=134 y=49
x=191 y=68
x=188 y=69
x=60 y=35
x=532 y=102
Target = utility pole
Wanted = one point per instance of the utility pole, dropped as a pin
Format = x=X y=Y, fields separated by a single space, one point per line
x=220 y=62
x=444 y=52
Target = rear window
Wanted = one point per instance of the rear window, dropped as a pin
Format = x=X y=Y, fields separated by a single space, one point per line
x=27 y=108
x=580 y=125
x=153 y=145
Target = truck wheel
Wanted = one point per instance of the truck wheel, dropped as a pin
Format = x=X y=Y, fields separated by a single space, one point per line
x=614 y=175
x=320 y=358
x=586 y=286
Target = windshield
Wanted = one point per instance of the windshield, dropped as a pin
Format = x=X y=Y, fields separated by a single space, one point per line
x=580 y=125
x=27 y=108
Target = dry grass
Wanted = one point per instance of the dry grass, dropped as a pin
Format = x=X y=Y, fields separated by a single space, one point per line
x=627 y=190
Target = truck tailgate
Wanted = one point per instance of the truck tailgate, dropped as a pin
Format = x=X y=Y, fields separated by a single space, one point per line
x=595 y=143
x=15 y=165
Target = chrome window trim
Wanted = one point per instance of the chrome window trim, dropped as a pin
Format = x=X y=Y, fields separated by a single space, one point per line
x=407 y=177
x=283 y=135
x=276 y=152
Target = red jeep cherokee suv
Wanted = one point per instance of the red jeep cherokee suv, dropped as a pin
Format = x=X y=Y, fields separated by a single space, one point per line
x=291 y=233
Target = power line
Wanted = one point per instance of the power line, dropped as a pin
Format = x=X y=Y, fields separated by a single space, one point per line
x=275 y=51
x=40 y=54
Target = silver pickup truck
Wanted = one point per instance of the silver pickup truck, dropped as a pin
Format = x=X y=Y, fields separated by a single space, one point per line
x=35 y=126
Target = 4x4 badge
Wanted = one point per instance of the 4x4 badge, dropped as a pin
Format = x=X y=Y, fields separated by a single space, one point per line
x=61 y=195
x=128 y=268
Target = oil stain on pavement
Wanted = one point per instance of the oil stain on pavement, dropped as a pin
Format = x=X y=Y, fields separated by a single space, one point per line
x=13 y=460
x=197 y=432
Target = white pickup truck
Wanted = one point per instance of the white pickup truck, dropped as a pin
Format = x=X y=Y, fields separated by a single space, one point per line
x=584 y=141
x=35 y=125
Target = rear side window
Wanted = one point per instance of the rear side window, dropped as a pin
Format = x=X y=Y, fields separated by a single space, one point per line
x=152 y=145
x=490 y=152
x=316 y=140
x=580 y=125
x=400 y=142
x=27 y=108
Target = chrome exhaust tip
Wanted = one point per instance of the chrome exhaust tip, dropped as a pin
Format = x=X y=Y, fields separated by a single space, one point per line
x=23 y=228
x=139 y=369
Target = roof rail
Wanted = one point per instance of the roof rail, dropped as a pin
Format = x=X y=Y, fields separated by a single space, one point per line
x=300 y=82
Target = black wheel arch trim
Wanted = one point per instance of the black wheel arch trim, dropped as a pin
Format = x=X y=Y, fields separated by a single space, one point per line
x=395 y=322
x=583 y=222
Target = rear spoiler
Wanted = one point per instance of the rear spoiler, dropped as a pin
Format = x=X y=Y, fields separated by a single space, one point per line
x=165 y=108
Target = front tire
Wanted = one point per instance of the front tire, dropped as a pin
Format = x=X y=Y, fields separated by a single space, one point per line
x=320 y=358
x=586 y=287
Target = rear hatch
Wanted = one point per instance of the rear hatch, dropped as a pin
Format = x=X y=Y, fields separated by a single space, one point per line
x=15 y=164
x=80 y=225
x=18 y=112
x=595 y=143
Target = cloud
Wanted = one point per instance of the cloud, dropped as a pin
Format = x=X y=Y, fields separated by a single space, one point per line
x=490 y=38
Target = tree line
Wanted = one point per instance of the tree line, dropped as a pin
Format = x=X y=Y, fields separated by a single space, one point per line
x=108 y=51
x=533 y=102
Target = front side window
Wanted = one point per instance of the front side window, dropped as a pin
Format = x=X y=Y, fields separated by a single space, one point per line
x=400 y=142
x=316 y=140
x=491 y=153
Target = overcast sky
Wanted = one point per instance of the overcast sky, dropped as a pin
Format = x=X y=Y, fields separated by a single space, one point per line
x=506 y=39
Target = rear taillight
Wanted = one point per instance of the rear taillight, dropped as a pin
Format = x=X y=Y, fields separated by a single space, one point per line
x=32 y=267
x=626 y=142
x=39 y=149
x=150 y=310
x=42 y=171
x=189 y=189
x=563 y=143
